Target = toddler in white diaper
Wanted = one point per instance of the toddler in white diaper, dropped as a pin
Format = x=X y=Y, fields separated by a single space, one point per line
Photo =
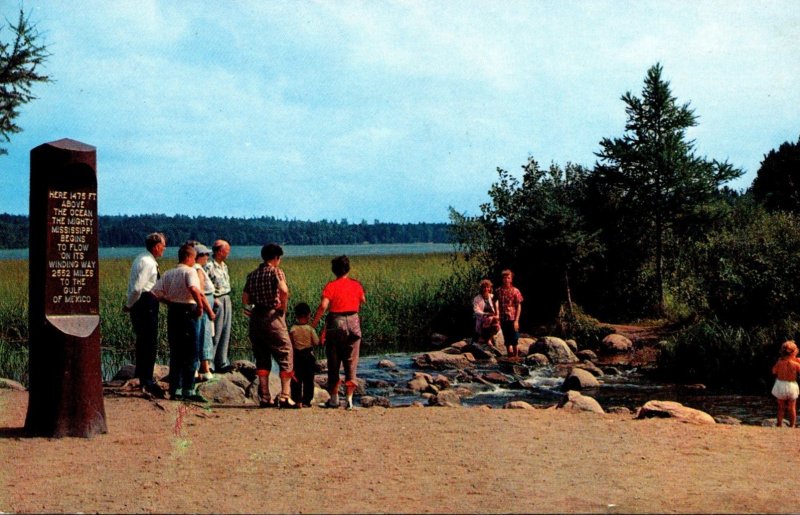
x=786 y=389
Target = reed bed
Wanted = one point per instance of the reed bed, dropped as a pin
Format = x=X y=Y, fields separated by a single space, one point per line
x=408 y=298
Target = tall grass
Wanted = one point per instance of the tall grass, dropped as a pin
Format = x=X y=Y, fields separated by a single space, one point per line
x=408 y=298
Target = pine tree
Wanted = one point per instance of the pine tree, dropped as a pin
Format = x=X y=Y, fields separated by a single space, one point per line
x=653 y=171
x=20 y=60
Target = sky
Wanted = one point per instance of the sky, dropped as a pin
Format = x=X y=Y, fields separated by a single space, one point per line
x=383 y=110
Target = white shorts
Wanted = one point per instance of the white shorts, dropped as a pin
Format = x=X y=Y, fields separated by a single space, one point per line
x=785 y=390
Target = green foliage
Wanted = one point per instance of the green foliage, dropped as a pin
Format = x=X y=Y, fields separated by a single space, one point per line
x=652 y=179
x=750 y=269
x=777 y=182
x=726 y=356
x=586 y=330
x=20 y=58
x=535 y=228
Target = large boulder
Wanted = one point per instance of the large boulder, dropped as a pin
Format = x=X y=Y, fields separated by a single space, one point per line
x=420 y=382
x=554 y=348
x=579 y=379
x=615 y=344
x=518 y=405
x=523 y=345
x=368 y=401
x=448 y=398
x=671 y=409
x=572 y=344
x=223 y=391
x=590 y=367
x=482 y=351
x=586 y=354
x=537 y=360
x=10 y=384
x=439 y=360
x=574 y=401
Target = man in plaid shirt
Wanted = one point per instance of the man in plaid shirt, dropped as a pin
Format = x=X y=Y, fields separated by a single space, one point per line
x=266 y=294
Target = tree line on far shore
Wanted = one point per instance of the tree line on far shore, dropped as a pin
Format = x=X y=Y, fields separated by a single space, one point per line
x=130 y=230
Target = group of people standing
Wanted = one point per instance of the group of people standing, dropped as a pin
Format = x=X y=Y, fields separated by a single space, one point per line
x=199 y=316
x=199 y=313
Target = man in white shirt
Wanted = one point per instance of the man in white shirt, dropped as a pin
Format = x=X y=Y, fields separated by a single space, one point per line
x=217 y=271
x=143 y=307
x=179 y=288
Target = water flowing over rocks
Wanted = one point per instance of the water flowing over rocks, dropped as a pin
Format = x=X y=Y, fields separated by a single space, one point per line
x=466 y=373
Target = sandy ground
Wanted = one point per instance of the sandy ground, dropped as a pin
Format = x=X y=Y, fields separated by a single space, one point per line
x=160 y=456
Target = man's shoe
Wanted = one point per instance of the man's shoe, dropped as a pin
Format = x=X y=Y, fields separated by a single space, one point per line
x=154 y=390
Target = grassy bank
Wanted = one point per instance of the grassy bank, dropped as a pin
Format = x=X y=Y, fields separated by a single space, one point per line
x=408 y=298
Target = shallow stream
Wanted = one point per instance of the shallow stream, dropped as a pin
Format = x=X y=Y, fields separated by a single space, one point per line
x=542 y=387
x=630 y=388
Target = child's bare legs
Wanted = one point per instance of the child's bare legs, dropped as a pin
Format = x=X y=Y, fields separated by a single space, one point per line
x=791 y=408
x=781 y=410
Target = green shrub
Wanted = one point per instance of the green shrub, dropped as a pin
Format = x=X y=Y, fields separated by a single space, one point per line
x=587 y=331
x=725 y=356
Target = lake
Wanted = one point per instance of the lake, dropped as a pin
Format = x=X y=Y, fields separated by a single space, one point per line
x=254 y=251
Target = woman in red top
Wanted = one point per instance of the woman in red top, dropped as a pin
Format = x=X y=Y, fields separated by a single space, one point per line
x=342 y=299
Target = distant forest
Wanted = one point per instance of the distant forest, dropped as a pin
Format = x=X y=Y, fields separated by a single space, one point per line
x=130 y=231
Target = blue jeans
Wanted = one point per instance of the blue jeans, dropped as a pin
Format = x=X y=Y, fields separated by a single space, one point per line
x=205 y=342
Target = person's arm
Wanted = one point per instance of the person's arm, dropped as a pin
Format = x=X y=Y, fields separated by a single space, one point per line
x=201 y=275
x=283 y=295
x=199 y=298
x=323 y=306
x=477 y=306
x=519 y=313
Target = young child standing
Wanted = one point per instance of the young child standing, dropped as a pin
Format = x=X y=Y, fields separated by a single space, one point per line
x=786 y=389
x=304 y=337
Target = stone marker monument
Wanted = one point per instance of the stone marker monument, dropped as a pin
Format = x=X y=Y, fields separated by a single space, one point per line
x=66 y=384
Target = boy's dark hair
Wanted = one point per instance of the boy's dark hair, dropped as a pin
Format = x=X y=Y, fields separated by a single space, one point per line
x=340 y=266
x=271 y=251
x=185 y=251
x=302 y=310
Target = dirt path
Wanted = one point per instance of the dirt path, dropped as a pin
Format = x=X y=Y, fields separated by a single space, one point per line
x=392 y=460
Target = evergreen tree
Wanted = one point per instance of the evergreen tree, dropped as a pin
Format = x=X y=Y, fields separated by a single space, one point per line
x=777 y=183
x=652 y=174
x=20 y=59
